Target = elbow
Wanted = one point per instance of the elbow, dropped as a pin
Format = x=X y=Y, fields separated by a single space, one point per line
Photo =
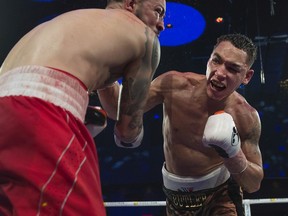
x=253 y=189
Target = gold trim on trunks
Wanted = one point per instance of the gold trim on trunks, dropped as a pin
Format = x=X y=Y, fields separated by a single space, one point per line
x=185 y=200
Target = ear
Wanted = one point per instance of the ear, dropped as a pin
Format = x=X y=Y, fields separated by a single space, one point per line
x=248 y=76
x=129 y=5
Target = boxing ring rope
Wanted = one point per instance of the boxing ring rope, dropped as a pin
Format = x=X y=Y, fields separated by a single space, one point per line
x=246 y=203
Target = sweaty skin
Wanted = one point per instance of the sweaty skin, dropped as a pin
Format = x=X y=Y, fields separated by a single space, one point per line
x=96 y=47
x=188 y=100
x=184 y=94
x=99 y=47
x=82 y=53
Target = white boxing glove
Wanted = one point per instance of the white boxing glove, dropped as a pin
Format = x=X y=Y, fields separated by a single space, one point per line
x=221 y=134
x=137 y=141
x=95 y=120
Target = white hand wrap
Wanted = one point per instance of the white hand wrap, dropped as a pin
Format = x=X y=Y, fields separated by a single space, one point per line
x=220 y=133
x=137 y=142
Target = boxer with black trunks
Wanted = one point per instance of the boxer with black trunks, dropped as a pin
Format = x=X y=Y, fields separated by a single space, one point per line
x=48 y=158
x=211 y=133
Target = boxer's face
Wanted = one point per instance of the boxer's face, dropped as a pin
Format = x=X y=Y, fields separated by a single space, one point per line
x=152 y=13
x=227 y=69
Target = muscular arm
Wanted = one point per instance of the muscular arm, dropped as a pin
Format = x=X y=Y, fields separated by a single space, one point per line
x=136 y=83
x=155 y=96
x=250 y=179
x=109 y=96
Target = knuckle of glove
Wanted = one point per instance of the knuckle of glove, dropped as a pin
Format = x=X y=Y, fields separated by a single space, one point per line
x=221 y=134
x=96 y=115
x=95 y=120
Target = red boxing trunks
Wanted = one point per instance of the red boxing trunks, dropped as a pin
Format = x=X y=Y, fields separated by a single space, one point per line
x=48 y=159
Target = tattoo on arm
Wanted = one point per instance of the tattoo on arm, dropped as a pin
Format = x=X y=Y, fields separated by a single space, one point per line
x=135 y=91
x=152 y=54
x=134 y=94
x=155 y=54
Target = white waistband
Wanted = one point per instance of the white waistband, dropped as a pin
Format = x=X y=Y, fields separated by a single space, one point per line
x=48 y=84
x=189 y=184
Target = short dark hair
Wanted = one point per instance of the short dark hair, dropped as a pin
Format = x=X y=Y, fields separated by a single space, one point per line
x=241 y=42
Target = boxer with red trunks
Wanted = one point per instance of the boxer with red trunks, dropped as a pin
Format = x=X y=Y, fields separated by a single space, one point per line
x=41 y=175
x=48 y=158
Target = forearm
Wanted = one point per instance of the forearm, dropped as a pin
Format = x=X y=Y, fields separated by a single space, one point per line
x=246 y=173
x=109 y=99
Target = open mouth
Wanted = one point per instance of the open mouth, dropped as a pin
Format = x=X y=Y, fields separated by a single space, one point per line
x=217 y=85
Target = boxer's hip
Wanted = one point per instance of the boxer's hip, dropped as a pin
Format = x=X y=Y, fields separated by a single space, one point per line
x=48 y=84
x=189 y=192
x=192 y=184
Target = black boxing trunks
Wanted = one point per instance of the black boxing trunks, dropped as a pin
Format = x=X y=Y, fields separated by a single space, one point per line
x=48 y=159
x=192 y=199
